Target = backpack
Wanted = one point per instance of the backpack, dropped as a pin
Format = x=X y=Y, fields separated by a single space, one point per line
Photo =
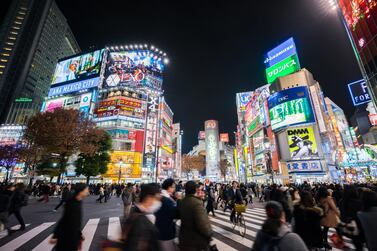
x=272 y=244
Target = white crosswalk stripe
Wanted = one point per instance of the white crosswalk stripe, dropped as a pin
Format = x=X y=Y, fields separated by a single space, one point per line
x=226 y=238
x=4 y=233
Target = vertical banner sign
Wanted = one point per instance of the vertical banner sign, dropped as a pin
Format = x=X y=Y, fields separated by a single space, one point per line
x=151 y=133
x=212 y=148
x=317 y=108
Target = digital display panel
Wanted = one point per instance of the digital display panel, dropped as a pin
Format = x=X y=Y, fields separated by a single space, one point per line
x=302 y=143
x=359 y=92
x=280 y=52
x=78 y=68
x=290 y=107
x=120 y=106
x=287 y=66
x=135 y=68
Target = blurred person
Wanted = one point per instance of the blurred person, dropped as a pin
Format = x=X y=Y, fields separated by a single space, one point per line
x=210 y=199
x=45 y=190
x=66 y=192
x=166 y=215
x=368 y=218
x=139 y=232
x=195 y=231
x=67 y=234
x=307 y=217
x=128 y=200
x=101 y=192
x=18 y=200
x=275 y=234
x=234 y=197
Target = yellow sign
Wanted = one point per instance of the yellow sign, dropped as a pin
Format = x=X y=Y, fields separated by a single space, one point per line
x=301 y=142
x=124 y=164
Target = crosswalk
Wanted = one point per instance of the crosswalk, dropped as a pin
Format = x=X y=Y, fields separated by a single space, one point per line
x=36 y=237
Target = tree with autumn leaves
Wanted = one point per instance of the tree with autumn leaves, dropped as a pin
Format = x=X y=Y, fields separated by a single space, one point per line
x=57 y=135
x=190 y=163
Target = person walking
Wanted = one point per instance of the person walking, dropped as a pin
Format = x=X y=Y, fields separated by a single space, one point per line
x=234 y=197
x=18 y=200
x=45 y=190
x=66 y=192
x=368 y=218
x=166 y=215
x=101 y=192
x=331 y=214
x=210 y=199
x=195 y=231
x=139 y=232
x=128 y=200
x=275 y=234
x=67 y=235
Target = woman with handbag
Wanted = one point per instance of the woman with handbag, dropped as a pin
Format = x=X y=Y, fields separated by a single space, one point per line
x=331 y=214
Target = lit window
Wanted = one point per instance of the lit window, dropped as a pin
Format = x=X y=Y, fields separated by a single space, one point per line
x=12 y=38
x=22 y=13
x=14 y=33
x=3 y=60
x=7 y=49
x=2 y=66
x=16 y=27
x=23 y=8
x=16 y=22
x=1 y=72
x=20 y=18
x=5 y=54
x=9 y=43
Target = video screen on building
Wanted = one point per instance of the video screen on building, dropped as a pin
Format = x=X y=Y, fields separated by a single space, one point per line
x=78 y=68
x=124 y=106
x=302 y=143
x=135 y=68
x=290 y=107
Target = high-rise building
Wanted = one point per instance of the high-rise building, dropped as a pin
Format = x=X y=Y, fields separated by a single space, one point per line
x=33 y=36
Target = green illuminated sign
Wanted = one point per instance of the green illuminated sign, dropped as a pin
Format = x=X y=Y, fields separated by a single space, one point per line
x=23 y=100
x=283 y=68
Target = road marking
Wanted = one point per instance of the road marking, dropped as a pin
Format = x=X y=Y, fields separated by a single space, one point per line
x=5 y=232
x=228 y=224
x=44 y=245
x=88 y=233
x=226 y=216
x=238 y=238
x=21 y=240
x=114 y=229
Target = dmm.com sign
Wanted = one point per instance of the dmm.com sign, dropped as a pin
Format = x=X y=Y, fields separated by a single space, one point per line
x=284 y=67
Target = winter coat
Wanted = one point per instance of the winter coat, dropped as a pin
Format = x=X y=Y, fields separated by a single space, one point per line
x=165 y=217
x=68 y=229
x=195 y=232
x=349 y=209
x=234 y=197
x=18 y=200
x=285 y=241
x=330 y=211
x=368 y=221
x=140 y=233
x=308 y=226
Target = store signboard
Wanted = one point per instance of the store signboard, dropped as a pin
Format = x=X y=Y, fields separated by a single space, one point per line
x=242 y=99
x=282 y=68
x=317 y=108
x=304 y=166
x=359 y=92
x=280 y=52
x=290 y=107
x=302 y=143
x=150 y=148
x=74 y=87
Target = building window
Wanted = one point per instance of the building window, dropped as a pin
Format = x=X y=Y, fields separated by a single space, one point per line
x=5 y=54
x=3 y=60
x=9 y=43
x=12 y=38
x=14 y=33
x=16 y=27
x=20 y=18
x=22 y=13
x=7 y=49
x=16 y=22
x=2 y=66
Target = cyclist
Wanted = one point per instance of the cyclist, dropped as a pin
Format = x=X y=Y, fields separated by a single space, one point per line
x=234 y=197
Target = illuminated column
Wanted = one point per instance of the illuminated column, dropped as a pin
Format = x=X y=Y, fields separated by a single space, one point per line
x=212 y=149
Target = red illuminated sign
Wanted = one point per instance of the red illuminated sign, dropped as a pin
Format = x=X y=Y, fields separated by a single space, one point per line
x=224 y=137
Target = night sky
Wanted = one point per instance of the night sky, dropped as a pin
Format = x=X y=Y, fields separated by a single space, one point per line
x=216 y=48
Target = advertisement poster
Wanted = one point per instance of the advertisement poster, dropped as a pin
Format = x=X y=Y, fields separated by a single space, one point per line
x=280 y=52
x=224 y=137
x=304 y=166
x=78 y=68
x=359 y=92
x=150 y=147
x=120 y=106
x=242 y=99
x=283 y=68
x=290 y=107
x=212 y=148
x=302 y=143
x=137 y=68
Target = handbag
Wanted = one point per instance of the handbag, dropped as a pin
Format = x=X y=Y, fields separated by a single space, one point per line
x=337 y=241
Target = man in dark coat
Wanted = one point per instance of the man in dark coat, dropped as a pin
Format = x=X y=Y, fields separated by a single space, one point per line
x=66 y=193
x=196 y=232
x=166 y=215
x=234 y=197
x=18 y=200
x=139 y=231
x=67 y=234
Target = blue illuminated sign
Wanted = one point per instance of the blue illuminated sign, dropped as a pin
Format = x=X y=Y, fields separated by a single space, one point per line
x=281 y=52
x=74 y=87
x=359 y=92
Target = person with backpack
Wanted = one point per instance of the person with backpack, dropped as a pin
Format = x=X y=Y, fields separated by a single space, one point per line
x=128 y=199
x=275 y=234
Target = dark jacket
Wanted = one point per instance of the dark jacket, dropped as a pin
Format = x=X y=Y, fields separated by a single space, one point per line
x=18 y=200
x=165 y=219
x=66 y=194
x=195 y=232
x=140 y=233
x=235 y=197
x=284 y=241
x=368 y=221
x=68 y=229
x=5 y=200
x=349 y=209
x=307 y=225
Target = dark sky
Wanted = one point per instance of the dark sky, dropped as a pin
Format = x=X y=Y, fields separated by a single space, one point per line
x=216 y=48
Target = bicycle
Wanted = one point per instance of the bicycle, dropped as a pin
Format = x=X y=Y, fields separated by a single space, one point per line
x=239 y=220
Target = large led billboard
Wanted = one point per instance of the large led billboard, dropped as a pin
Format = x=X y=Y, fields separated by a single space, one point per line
x=302 y=143
x=280 y=52
x=359 y=92
x=78 y=68
x=242 y=99
x=290 y=107
x=134 y=68
x=286 y=66
x=123 y=106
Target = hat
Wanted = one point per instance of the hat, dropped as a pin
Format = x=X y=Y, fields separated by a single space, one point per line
x=274 y=210
x=297 y=139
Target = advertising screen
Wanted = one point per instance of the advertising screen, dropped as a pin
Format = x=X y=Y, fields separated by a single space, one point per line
x=258 y=142
x=242 y=99
x=359 y=92
x=281 y=52
x=302 y=143
x=287 y=66
x=137 y=68
x=290 y=107
x=81 y=102
x=120 y=106
x=78 y=68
